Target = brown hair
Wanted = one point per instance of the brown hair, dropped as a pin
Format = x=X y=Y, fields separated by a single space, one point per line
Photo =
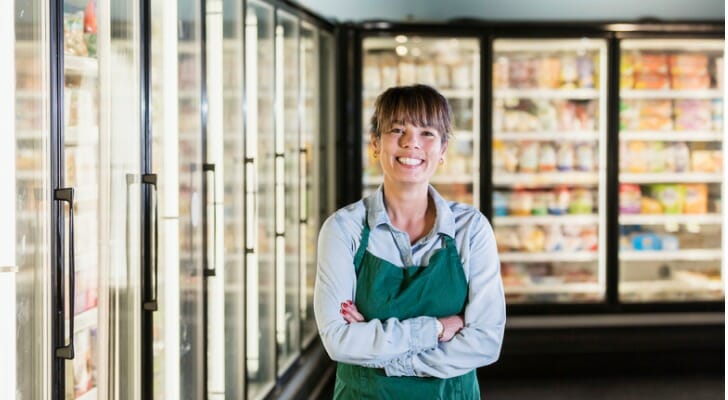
x=419 y=105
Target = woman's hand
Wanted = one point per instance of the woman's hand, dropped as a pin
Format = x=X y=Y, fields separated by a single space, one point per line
x=451 y=326
x=350 y=313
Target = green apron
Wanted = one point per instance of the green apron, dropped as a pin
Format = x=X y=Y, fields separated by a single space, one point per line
x=383 y=291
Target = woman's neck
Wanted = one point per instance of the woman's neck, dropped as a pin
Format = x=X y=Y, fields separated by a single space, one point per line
x=410 y=211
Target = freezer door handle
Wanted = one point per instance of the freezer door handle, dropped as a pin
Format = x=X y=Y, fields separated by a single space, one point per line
x=209 y=269
x=151 y=304
x=66 y=352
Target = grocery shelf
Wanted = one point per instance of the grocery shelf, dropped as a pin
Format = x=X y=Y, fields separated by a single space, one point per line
x=673 y=255
x=541 y=45
x=672 y=136
x=671 y=285
x=576 y=94
x=671 y=94
x=668 y=177
x=661 y=219
x=672 y=44
x=545 y=178
x=586 y=219
x=580 y=136
x=555 y=288
x=563 y=256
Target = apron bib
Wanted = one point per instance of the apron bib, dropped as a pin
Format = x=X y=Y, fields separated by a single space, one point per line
x=384 y=290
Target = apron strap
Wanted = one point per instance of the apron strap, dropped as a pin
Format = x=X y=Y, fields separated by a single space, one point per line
x=362 y=246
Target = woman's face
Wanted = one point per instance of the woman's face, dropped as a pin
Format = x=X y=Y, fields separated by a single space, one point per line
x=409 y=154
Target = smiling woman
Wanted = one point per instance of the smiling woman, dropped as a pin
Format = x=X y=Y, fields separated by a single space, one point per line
x=408 y=296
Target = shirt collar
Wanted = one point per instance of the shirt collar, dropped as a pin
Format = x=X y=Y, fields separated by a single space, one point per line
x=377 y=214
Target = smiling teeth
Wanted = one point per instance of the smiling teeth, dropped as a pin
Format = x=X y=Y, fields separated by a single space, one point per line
x=409 y=161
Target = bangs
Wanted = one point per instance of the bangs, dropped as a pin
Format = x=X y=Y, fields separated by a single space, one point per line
x=417 y=105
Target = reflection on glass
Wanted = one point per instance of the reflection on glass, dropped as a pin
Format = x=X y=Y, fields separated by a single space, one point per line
x=310 y=167
x=83 y=144
x=671 y=173
x=450 y=65
x=25 y=259
x=190 y=202
x=165 y=49
x=232 y=216
x=287 y=153
x=260 y=198
x=549 y=176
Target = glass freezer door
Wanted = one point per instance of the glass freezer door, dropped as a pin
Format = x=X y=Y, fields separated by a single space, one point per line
x=260 y=196
x=549 y=177
x=671 y=149
x=25 y=205
x=101 y=163
x=450 y=65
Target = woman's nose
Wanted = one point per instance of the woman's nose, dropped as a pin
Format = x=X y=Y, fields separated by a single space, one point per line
x=409 y=140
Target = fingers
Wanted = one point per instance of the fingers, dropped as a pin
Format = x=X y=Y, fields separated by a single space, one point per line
x=350 y=313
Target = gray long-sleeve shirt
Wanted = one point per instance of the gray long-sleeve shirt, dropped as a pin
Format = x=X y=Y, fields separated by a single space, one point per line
x=409 y=347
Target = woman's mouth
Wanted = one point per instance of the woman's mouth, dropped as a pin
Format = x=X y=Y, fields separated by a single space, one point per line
x=409 y=161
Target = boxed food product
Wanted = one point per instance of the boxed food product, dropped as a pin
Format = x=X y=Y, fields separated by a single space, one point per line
x=651 y=63
x=651 y=81
x=629 y=198
x=696 y=198
x=688 y=63
x=670 y=196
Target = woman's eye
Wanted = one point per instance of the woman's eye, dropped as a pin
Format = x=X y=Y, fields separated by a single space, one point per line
x=428 y=133
x=395 y=130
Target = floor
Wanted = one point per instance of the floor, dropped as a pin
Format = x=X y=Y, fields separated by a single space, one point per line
x=702 y=386
x=662 y=387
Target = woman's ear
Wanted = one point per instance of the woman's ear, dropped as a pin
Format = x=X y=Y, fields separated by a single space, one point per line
x=374 y=143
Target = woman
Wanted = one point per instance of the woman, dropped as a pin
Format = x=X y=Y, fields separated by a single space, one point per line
x=408 y=298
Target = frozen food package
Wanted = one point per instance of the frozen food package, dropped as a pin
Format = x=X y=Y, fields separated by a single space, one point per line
x=651 y=81
x=549 y=73
x=565 y=157
x=652 y=63
x=585 y=68
x=547 y=158
x=690 y=82
x=696 y=198
x=569 y=72
x=500 y=73
x=719 y=71
x=528 y=159
x=670 y=196
x=688 y=63
x=703 y=161
x=520 y=203
x=585 y=157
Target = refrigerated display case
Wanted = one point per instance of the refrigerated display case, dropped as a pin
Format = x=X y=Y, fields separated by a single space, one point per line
x=671 y=175
x=549 y=168
x=572 y=116
x=450 y=65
